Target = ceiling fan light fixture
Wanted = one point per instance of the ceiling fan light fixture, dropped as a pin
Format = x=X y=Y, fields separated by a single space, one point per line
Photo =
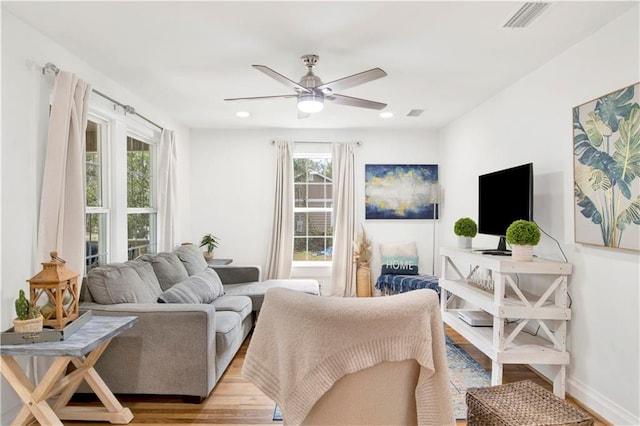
x=311 y=92
x=310 y=103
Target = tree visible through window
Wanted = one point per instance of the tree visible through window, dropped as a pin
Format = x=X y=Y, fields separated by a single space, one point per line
x=141 y=214
x=313 y=209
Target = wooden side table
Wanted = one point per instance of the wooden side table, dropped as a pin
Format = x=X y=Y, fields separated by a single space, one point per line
x=83 y=349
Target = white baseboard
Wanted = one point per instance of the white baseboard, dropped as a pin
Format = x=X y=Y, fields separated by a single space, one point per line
x=594 y=401
x=600 y=404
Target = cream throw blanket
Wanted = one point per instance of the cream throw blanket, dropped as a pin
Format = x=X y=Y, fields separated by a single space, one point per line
x=303 y=344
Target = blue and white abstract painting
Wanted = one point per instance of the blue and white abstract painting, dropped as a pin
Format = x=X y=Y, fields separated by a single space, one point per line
x=400 y=191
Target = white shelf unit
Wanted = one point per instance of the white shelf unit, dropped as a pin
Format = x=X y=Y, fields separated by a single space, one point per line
x=511 y=308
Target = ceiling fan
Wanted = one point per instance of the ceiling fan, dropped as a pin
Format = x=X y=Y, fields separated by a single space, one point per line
x=311 y=92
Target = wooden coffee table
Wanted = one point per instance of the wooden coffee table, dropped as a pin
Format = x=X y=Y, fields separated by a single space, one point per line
x=83 y=349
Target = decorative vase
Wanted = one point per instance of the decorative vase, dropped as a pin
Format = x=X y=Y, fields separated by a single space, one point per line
x=363 y=281
x=464 y=242
x=208 y=255
x=522 y=253
x=33 y=325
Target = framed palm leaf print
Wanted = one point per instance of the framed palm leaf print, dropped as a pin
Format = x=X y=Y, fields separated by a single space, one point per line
x=606 y=170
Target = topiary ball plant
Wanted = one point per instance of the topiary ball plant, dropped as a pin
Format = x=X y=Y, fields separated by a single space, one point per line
x=465 y=227
x=523 y=233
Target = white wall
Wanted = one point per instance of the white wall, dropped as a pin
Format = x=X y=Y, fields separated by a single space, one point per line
x=531 y=121
x=233 y=182
x=25 y=100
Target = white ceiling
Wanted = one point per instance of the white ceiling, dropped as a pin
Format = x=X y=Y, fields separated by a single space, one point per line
x=185 y=57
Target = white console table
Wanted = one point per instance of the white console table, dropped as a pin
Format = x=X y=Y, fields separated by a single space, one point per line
x=511 y=308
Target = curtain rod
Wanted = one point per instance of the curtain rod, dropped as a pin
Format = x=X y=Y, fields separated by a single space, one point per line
x=311 y=142
x=128 y=109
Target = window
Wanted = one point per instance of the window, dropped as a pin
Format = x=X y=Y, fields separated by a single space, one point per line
x=141 y=213
x=96 y=211
x=120 y=178
x=313 y=208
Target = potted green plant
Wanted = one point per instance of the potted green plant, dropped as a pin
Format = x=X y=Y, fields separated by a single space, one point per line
x=523 y=235
x=465 y=228
x=29 y=319
x=211 y=242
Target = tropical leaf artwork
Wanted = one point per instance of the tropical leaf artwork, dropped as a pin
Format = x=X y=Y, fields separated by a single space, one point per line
x=606 y=152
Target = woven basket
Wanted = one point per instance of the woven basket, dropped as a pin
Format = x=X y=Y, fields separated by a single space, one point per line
x=33 y=325
x=521 y=403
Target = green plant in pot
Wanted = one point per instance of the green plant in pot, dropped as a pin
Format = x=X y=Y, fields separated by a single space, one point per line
x=211 y=242
x=465 y=228
x=523 y=235
x=29 y=319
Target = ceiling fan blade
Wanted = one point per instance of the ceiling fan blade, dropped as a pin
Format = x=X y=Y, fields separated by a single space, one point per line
x=261 y=97
x=281 y=78
x=356 y=102
x=352 y=80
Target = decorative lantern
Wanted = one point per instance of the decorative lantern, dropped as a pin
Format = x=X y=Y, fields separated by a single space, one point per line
x=60 y=286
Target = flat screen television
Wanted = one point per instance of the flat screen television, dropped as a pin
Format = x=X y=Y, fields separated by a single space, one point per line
x=504 y=196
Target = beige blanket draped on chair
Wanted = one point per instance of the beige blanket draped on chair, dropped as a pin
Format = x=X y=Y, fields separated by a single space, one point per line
x=303 y=344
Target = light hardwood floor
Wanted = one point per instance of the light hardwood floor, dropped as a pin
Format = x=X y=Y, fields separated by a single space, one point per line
x=235 y=401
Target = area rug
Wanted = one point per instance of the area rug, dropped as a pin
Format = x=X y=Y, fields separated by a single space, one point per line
x=277 y=415
x=464 y=372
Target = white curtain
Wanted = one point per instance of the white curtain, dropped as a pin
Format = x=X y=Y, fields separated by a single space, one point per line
x=167 y=193
x=343 y=270
x=61 y=224
x=281 y=246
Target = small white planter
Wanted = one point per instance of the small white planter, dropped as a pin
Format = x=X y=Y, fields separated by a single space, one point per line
x=522 y=253
x=464 y=242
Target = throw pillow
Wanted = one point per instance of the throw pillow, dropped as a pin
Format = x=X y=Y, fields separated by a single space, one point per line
x=399 y=249
x=129 y=282
x=192 y=258
x=203 y=287
x=400 y=265
x=168 y=268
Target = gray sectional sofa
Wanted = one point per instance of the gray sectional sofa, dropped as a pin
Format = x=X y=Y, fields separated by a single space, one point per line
x=191 y=320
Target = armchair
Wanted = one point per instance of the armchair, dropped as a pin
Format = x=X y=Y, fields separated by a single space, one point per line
x=328 y=360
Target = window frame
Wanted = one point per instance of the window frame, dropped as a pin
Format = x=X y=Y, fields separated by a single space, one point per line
x=312 y=153
x=152 y=210
x=105 y=207
x=119 y=125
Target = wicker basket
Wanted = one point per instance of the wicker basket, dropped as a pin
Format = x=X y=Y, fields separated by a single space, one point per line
x=33 y=325
x=521 y=403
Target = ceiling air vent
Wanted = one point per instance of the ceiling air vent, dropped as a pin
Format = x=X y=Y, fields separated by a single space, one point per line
x=526 y=15
x=415 y=113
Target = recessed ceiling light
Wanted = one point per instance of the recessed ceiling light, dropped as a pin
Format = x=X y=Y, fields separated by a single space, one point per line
x=243 y=114
x=387 y=114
